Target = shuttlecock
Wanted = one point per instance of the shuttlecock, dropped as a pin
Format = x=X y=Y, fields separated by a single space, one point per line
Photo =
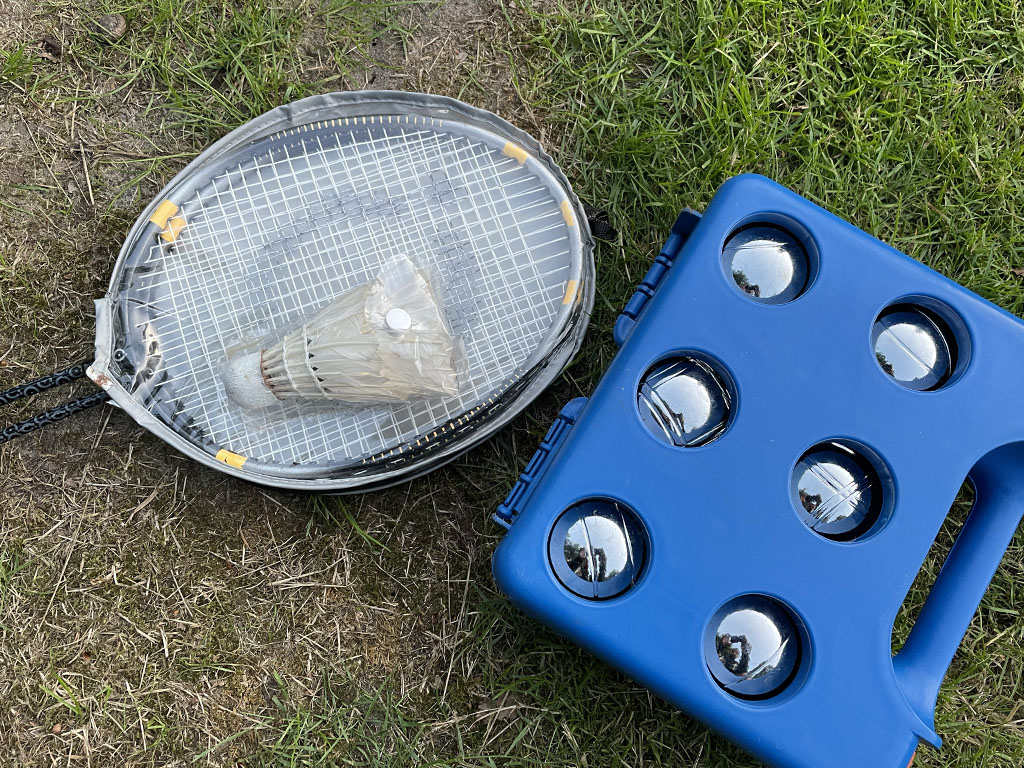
x=385 y=341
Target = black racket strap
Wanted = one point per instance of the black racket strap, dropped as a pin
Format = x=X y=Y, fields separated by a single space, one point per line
x=43 y=383
x=53 y=415
x=600 y=226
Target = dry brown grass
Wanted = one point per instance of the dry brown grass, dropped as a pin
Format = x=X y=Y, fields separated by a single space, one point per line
x=153 y=612
x=152 y=609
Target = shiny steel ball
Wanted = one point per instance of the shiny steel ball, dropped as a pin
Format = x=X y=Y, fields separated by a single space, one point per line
x=768 y=263
x=914 y=347
x=753 y=647
x=839 y=494
x=685 y=402
x=598 y=549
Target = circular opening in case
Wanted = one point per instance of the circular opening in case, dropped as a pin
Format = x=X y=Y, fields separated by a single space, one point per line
x=754 y=647
x=686 y=400
x=598 y=549
x=767 y=262
x=917 y=346
x=841 y=490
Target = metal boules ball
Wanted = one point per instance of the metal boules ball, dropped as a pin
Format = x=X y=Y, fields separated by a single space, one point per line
x=753 y=647
x=768 y=263
x=914 y=346
x=598 y=549
x=685 y=401
x=839 y=494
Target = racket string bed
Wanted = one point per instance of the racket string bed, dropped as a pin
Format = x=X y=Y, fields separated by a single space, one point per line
x=209 y=303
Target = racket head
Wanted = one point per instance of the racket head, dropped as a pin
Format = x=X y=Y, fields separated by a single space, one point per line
x=291 y=210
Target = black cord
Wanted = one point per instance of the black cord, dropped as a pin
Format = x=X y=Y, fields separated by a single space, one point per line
x=52 y=416
x=43 y=383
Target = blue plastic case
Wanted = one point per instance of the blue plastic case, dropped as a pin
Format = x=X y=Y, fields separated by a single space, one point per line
x=720 y=519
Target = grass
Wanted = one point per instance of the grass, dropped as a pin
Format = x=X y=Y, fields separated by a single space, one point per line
x=154 y=613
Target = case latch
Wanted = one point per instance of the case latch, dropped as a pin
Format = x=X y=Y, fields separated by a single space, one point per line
x=509 y=509
x=681 y=230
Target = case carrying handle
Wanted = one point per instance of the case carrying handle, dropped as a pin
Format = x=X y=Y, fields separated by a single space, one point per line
x=965 y=575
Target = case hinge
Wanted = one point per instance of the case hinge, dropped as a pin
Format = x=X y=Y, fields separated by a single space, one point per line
x=681 y=230
x=509 y=509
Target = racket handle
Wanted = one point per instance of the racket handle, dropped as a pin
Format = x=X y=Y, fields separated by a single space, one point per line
x=43 y=383
x=52 y=416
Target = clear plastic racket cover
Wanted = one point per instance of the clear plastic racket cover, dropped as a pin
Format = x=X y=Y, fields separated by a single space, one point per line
x=329 y=206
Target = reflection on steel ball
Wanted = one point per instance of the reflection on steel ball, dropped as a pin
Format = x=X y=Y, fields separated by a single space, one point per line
x=838 y=492
x=914 y=347
x=753 y=649
x=768 y=263
x=684 y=401
x=598 y=549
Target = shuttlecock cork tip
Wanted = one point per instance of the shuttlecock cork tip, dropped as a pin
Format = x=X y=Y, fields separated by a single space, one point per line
x=397 y=319
x=244 y=384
